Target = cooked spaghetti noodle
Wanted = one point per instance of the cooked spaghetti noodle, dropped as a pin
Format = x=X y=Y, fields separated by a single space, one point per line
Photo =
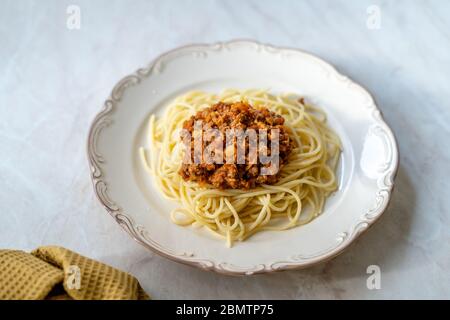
x=304 y=182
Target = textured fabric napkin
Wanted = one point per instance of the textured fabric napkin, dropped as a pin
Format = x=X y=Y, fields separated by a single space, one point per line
x=57 y=273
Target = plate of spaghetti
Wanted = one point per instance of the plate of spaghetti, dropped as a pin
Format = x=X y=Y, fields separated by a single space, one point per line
x=242 y=158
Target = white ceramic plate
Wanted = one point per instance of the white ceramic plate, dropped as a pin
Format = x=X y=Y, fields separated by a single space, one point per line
x=367 y=168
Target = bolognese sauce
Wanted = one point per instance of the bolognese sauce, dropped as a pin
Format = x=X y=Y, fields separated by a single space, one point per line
x=235 y=175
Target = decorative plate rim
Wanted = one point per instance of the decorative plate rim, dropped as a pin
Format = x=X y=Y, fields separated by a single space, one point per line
x=385 y=182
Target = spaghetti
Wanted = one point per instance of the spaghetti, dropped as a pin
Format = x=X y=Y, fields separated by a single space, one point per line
x=295 y=199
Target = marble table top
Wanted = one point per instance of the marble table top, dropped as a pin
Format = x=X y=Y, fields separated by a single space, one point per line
x=56 y=70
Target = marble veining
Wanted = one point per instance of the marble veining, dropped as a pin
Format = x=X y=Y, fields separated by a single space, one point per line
x=54 y=79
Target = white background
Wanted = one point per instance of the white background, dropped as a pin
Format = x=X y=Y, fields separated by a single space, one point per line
x=53 y=81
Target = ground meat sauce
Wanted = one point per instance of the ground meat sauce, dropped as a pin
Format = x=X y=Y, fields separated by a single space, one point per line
x=239 y=115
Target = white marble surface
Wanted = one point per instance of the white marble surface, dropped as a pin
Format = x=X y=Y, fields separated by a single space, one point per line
x=53 y=81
